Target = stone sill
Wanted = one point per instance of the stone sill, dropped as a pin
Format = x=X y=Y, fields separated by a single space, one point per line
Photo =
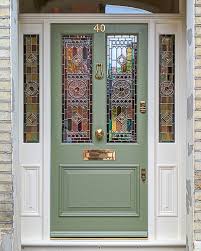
x=103 y=243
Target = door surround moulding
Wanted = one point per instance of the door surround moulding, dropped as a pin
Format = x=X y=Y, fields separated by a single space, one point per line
x=152 y=20
x=93 y=18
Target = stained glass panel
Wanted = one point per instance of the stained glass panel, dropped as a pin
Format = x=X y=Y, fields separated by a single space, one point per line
x=122 y=88
x=77 y=89
x=167 y=89
x=31 y=88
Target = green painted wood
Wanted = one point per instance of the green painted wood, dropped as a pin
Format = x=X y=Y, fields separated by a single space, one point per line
x=95 y=196
x=120 y=234
x=70 y=214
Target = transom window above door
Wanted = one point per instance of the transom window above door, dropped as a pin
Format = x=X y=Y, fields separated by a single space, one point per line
x=103 y=6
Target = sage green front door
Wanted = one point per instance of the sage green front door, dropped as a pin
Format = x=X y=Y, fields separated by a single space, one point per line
x=99 y=130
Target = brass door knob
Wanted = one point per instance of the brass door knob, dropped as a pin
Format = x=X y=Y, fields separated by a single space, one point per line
x=99 y=133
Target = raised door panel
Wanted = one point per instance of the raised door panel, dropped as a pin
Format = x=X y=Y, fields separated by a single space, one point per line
x=99 y=191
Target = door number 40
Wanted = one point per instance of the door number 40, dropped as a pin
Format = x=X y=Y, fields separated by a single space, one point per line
x=99 y=28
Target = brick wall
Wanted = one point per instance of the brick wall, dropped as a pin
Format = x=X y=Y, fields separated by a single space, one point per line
x=197 y=124
x=6 y=188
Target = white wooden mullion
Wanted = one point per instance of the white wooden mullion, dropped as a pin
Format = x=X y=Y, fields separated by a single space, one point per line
x=47 y=132
x=151 y=129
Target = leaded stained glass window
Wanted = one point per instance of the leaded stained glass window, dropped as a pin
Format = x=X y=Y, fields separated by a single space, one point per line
x=77 y=89
x=31 y=88
x=167 y=89
x=122 y=88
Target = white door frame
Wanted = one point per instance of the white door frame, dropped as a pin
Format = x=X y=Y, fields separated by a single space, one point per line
x=160 y=223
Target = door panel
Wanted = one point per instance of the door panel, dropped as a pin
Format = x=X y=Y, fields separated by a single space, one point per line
x=98 y=197
x=95 y=196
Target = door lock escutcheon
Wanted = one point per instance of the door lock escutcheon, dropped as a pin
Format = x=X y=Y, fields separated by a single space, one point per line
x=143 y=175
x=143 y=106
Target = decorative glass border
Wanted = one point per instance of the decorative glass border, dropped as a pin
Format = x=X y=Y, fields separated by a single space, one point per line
x=167 y=88
x=77 y=88
x=31 y=88
x=122 y=53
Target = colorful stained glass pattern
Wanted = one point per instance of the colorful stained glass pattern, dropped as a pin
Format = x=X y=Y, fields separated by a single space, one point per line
x=31 y=88
x=77 y=89
x=167 y=89
x=122 y=88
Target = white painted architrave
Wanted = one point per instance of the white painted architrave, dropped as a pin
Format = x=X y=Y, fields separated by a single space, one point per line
x=172 y=155
x=31 y=154
x=156 y=24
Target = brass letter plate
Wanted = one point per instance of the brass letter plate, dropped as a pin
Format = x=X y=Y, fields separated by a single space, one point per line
x=99 y=154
